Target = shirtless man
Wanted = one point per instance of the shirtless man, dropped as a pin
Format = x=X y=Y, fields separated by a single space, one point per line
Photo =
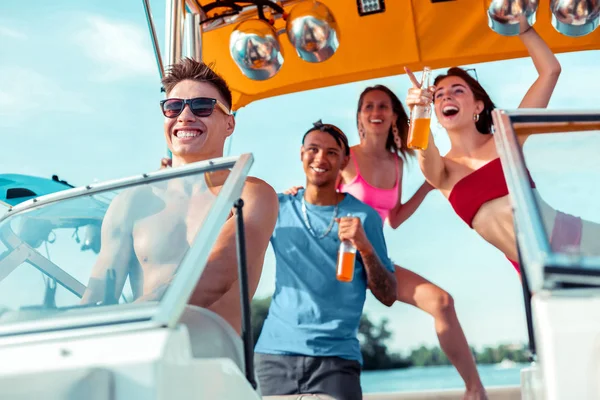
x=139 y=222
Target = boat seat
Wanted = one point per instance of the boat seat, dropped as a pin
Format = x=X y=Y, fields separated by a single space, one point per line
x=211 y=336
x=301 y=397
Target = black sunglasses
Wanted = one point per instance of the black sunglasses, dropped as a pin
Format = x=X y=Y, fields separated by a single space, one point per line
x=200 y=106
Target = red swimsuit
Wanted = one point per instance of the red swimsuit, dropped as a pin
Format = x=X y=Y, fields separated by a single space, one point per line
x=488 y=183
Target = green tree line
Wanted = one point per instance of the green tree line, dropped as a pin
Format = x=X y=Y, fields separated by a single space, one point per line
x=374 y=338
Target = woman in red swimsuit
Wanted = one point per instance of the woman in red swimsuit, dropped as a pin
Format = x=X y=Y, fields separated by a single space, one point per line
x=374 y=176
x=470 y=174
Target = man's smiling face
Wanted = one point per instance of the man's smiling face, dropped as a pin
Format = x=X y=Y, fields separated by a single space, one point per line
x=190 y=137
x=322 y=158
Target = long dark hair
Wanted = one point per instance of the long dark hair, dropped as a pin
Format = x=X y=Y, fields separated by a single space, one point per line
x=401 y=121
x=485 y=123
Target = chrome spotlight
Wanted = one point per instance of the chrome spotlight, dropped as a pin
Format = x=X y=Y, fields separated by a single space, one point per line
x=312 y=30
x=254 y=47
x=575 y=17
x=504 y=15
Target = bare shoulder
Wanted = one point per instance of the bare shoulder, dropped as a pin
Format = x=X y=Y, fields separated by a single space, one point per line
x=260 y=194
x=401 y=160
x=354 y=153
x=129 y=197
x=349 y=170
x=261 y=205
x=126 y=199
x=125 y=205
x=257 y=187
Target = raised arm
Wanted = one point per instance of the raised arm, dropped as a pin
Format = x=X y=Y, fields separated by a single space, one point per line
x=431 y=161
x=381 y=280
x=260 y=214
x=546 y=64
x=432 y=164
x=115 y=254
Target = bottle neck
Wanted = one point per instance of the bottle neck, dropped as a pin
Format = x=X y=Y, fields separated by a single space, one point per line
x=426 y=79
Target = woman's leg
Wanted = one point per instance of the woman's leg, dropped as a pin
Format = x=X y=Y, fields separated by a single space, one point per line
x=415 y=290
x=590 y=241
x=569 y=233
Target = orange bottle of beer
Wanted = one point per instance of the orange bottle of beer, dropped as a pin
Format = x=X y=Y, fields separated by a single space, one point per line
x=420 y=119
x=346 y=261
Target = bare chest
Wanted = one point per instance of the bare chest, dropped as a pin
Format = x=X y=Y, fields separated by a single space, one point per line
x=165 y=236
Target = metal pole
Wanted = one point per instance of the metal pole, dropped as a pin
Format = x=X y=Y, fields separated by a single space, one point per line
x=193 y=36
x=174 y=15
x=161 y=68
x=527 y=297
x=244 y=296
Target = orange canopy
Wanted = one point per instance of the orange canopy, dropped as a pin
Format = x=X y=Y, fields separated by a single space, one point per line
x=411 y=33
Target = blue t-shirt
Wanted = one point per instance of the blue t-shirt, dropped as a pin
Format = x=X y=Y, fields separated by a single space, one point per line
x=311 y=312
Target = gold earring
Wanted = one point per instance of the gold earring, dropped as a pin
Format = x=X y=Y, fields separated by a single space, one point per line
x=475 y=117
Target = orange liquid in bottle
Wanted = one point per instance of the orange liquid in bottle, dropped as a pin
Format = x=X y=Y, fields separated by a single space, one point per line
x=345 y=266
x=418 y=138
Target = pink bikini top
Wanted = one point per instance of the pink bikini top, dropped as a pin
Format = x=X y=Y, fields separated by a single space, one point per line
x=382 y=200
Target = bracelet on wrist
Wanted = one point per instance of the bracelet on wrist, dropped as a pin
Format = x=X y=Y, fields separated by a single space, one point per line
x=526 y=30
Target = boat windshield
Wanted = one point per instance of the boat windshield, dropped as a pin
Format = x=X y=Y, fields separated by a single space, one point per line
x=554 y=181
x=133 y=245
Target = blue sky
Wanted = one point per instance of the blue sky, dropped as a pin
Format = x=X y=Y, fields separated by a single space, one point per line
x=79 y=93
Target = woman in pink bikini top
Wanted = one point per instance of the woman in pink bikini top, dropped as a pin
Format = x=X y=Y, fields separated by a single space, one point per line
x=382 y=126
x=382 y=200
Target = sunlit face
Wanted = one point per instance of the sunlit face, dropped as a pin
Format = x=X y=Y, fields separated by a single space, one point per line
x=455 y=105
x=376 y=114
x=322 y=158
x=193 y=138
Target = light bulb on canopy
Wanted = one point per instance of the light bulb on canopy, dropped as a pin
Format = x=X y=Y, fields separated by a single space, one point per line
x=504 y=16
x=575 y=17
x=255 y=48
x=313 y=31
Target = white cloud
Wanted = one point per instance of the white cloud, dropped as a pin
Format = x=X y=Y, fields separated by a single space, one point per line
x=12 y=33
x=121 y=50
x=24 y=90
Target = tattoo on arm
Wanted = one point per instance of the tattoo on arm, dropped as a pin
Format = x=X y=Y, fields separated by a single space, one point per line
x=381 y=281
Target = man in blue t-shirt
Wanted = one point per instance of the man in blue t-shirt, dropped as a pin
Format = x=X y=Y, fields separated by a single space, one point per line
x=309 y=341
